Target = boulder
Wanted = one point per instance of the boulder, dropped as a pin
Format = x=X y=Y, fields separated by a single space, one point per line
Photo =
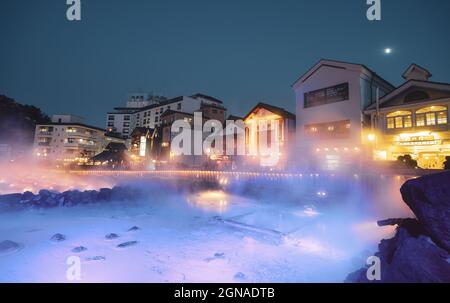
x=58 y=238
x=111 y=236
x=127 y=244
x=79 y=249
x=429 y=199
x=8 y=246
x=409 y=258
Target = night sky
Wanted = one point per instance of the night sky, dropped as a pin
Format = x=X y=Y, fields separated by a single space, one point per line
x=240 y=51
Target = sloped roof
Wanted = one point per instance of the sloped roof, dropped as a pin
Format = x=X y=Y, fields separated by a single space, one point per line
x=417 y=84
x=416 y=66
x=198 y=95
x=274 y=109
x=337 y=64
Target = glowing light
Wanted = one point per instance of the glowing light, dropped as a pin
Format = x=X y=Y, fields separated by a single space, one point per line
x=388 y=50
x=371 y=137
x=321 y=194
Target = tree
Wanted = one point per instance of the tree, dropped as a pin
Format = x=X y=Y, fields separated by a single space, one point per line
x=18 y=122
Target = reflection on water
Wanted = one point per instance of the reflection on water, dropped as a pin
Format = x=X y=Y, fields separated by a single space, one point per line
x=211 y=201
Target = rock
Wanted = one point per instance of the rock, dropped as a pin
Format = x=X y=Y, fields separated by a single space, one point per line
x=429 y=199
x=112 y=236
x=105 y=194
x=8 y=246
x=409 y=259
x=127 y=244
x=58 y=238
x=79 y=249
x=219 y=255
x=239 y=276
x=134 y=228
x=48 y=199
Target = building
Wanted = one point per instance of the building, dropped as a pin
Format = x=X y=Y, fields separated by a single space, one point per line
x=413 y=120
x=68 y=140
x=280 y=136
x=124 y=120
x=330 y=100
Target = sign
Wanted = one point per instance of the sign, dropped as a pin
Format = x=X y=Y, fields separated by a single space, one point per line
x=327 y=95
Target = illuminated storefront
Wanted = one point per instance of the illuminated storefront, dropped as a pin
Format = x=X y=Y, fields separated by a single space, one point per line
x=276 y=127
x=413 y=120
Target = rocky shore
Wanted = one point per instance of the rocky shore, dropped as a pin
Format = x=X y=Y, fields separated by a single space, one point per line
x=49 y=199
x=420 y=250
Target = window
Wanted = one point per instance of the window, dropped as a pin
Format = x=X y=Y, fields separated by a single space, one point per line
x=431 y=116
x=442 y=118
x=111 y=118
x=179 y=106
x=420 y=120
x=390 y=123
x=399 y=119
x=126 y=124
x=337 y=129
x=126 y=130
x=110 y=124
x=327 y=95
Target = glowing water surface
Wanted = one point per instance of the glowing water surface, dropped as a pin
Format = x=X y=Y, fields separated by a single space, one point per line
x=312 y=231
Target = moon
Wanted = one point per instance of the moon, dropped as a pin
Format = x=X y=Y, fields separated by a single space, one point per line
x=388 y=50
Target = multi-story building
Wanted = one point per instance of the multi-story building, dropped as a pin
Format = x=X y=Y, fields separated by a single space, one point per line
x=413 y=120
x=67 y=140
x=331 y=98
x=149 y=113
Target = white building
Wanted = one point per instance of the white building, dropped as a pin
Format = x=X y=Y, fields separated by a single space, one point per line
x=330 y=100
x=142 y=111
x=66 y=140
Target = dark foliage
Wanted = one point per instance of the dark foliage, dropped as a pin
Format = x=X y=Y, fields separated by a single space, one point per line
x=18 y=121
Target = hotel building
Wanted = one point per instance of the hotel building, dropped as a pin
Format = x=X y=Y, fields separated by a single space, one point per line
x=68 y=140
x=413 y=120
x=146 y=111
x=330 y=100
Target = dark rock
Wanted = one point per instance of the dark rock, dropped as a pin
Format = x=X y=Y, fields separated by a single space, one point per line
x=27 y=196
x=7 y=247
x=409 y=259
x=219 y=255
x=239 y=276
x=134 y=228
x=11 y=198
x=112 y=236
x=429 y=199
x=105 y=194
x=127 y=244
x=58 y=238
x=79 y=249
x=48 y=199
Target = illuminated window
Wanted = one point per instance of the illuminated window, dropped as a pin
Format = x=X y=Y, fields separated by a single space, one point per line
x=442 y=118
x=407 y=120
x=330 y=128
x=433 y=115
x=71 y=130
x=431 y=119
x=420 y=120
x=399 y=122
x=399 y=119
x=390 y=123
